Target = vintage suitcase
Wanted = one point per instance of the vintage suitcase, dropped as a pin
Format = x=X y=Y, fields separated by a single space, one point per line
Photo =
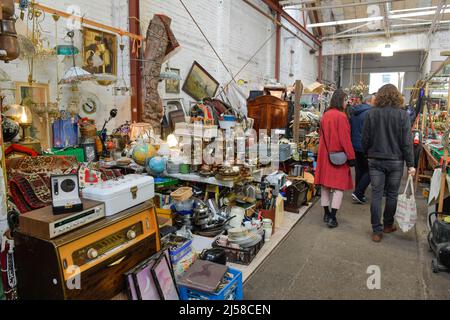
x=123 y=193
x=89 y=263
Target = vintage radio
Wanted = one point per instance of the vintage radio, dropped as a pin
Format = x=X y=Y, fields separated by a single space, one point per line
x=122 y=193
x=88 y=263
x=42 y=223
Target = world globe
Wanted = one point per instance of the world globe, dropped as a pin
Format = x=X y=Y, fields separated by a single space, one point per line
x=142 y=152
x=156 y=165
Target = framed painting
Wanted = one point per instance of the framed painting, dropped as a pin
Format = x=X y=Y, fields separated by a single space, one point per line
x=199 y=83
x=99 y=52
x=173 y=86
x=36 y=97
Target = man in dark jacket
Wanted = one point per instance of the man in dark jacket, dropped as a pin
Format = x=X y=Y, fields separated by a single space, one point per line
x=362 y=179
x=387 y=140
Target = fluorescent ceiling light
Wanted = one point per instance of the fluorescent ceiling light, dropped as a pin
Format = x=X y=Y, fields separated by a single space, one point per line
x=387 y=51
x=413 y=9
x=378 y=18
x=340 y=22
x=417 y=14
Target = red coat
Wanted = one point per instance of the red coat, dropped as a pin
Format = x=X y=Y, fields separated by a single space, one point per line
x=336 y=128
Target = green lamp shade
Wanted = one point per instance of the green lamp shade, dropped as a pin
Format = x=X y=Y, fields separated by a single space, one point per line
x=66 y=50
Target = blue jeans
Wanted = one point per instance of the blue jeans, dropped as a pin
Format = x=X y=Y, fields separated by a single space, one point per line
x=386 y=176
x=362 y=178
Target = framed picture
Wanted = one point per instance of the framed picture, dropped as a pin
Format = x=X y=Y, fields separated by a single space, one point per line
x=36 y=97
x=164 y=279
x=199 y=83
x=173 y=86
x=145 y=285
x=99 y=51
x=89 y=152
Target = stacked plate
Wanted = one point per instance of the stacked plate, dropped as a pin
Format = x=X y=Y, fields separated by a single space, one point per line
x=243 y=237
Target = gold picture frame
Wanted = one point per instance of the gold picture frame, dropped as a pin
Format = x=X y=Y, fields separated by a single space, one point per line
x=172 y=85
x=99 y=51
x=36 y=96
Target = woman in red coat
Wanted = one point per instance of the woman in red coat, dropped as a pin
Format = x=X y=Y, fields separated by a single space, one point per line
x=334 y=137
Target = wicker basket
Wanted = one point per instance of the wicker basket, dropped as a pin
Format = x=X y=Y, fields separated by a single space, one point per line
x=88 y=131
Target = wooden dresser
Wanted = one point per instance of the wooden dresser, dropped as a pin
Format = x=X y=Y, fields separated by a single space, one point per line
x=269 y=112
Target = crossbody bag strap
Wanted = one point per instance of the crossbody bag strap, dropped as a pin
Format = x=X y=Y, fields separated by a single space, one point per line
x=324 y=139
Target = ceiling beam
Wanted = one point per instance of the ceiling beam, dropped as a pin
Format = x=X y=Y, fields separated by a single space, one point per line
x=278 y=23
x=397 y=30
x=277 y=8
x=376 y=18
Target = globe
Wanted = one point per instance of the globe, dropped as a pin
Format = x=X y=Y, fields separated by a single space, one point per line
x=156 y=165
x=10 y=129
x=142 y=152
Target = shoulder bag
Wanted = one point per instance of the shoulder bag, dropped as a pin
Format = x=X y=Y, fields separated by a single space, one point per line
x=336 y=158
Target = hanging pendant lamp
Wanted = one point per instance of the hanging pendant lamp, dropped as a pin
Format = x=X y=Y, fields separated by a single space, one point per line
x=75 y=74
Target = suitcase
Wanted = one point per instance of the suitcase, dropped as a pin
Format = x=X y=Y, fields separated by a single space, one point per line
x=123 y=193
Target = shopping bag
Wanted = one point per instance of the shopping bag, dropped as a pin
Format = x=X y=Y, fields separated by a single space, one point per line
x=406 y=214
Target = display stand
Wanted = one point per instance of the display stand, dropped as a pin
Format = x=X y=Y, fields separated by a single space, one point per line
x=445 y=142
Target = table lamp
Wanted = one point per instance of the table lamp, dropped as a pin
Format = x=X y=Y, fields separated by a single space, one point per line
x=22 y=115
x=25 y=121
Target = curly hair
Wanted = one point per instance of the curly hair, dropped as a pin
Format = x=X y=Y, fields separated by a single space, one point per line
x=388 y=95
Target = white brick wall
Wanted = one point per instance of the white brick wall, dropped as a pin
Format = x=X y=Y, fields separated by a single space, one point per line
x=236 y=31
x=113 y=13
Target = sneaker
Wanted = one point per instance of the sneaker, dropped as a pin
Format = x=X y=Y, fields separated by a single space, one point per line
x=357 y=199
x=332 y=223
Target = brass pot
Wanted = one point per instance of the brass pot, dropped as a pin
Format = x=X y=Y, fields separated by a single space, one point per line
x=10 y=45
x=8 y=27
x=8 y=8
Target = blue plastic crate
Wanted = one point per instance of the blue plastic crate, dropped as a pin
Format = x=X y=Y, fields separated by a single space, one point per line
x=232 y=291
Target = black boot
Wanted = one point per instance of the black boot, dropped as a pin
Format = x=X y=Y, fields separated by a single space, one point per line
x=332 y=222
x=327 y=214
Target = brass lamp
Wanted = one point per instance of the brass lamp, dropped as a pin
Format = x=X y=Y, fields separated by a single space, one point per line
x=23 y=116
x=25 y=120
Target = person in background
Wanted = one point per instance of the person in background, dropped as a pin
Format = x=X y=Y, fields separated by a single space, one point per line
x=387 y=140
x=334 y=137
x=362 y=177
x=353 y=102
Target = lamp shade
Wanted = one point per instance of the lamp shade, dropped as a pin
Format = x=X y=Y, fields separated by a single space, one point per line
x=75 y=74
x=139 y=130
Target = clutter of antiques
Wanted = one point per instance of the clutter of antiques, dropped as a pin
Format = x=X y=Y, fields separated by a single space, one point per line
x=102 y=208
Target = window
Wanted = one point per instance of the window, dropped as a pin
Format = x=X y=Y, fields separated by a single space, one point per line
x=386 y=78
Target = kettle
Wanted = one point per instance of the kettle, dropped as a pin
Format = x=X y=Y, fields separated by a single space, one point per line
x=215 y=255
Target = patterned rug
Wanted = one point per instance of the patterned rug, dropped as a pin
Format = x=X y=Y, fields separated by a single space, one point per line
x=30 y=191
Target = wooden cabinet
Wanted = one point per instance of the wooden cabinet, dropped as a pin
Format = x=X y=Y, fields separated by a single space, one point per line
x=269 y=113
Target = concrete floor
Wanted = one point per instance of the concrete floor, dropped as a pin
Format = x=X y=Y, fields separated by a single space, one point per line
x=315 y=262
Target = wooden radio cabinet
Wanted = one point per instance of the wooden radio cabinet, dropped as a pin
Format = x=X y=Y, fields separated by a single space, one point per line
x=88 y=263
x=269 y=113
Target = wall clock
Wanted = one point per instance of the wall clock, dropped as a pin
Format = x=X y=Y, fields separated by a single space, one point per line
x=90 y=103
